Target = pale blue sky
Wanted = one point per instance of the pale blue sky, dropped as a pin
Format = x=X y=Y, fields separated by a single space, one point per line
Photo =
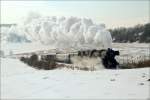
x=112 y=13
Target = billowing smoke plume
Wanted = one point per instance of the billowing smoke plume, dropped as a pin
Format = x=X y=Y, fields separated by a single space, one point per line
x=65 y=32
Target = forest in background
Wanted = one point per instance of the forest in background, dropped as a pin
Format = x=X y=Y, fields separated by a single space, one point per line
x=139 y=33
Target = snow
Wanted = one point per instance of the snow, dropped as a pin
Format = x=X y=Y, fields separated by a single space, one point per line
x=132 y=48
x=24 y=47
x=19 y=81
x=132 y=52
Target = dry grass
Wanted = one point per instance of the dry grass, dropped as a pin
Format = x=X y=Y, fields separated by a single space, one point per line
x=139 y=64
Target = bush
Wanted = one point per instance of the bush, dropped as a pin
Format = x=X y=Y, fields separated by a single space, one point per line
x=32 y=60
x=34 y=57
x=47 y=63
x=22 y=59
x=25 y=60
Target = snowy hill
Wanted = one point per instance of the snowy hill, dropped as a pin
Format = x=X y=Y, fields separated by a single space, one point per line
x=19 y=81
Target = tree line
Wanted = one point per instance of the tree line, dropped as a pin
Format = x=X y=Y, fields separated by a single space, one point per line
x=139 y=33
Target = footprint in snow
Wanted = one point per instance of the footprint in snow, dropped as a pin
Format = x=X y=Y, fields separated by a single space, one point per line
x=112 y=79
x=67 y=97
x=143 y=75
x=45 y=77
x=116 y=74
x=141 y=83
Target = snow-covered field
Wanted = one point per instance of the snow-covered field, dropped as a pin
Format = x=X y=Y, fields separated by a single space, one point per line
x=19 y=81
x=51 y=34
x=132 y=52
x=132 y=49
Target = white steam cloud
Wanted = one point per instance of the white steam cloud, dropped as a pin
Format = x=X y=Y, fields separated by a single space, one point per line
x=64 y=32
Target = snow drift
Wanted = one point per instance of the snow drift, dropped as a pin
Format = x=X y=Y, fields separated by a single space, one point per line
x=61 y=32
